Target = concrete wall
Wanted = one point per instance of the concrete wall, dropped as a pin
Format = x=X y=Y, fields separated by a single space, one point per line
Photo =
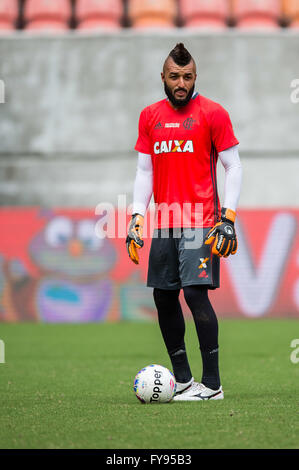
x=69 y=121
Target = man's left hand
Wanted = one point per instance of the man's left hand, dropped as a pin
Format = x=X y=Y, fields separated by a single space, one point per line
x=223 y=235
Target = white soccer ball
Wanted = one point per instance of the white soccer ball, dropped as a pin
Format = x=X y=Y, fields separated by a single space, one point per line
x=154 y=384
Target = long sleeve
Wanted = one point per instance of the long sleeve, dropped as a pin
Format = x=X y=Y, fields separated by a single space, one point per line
x=143 y=186
x=233 y=177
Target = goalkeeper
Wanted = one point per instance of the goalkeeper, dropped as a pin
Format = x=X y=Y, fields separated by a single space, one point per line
x=180 y=140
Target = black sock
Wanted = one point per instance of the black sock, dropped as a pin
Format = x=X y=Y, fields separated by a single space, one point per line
x=206 y=324
x=180 y=365
x=172 y=325
x=210 y=369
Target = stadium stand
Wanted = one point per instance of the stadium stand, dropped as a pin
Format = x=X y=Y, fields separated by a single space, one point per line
x=257 y=14
x=99 y=14
x=152 y=13
x=211 y=14
x=47 y=15
x=61 y=15
x=9 y=11
x=291 y=12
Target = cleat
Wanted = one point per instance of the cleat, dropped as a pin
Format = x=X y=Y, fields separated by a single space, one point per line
x=198 y=392
x=182 y=387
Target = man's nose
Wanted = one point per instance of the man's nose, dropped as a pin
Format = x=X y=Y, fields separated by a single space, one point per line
x=181 y=82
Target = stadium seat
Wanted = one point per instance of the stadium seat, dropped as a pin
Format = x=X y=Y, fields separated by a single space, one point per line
x=8 y=14
x=47 y=14
x=291 y=12
x=99 y=14
x=211 y=14
x=257 y=14
x=152 y=13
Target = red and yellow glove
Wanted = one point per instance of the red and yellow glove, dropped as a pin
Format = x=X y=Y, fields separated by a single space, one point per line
x=134 y=238
x=223 y=235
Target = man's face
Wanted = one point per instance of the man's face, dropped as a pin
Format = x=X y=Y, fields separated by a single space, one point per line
x=178 y=82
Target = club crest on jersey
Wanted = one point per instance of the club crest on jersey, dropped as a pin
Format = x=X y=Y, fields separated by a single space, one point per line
x=170 y=146
x=188 y=123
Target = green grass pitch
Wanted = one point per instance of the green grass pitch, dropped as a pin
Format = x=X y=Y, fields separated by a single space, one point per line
x=71 y=386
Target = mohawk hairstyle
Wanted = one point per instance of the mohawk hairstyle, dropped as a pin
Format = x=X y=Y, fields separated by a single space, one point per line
x=180 y=55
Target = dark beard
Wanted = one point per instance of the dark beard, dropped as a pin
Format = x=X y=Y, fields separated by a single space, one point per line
x=178 y=103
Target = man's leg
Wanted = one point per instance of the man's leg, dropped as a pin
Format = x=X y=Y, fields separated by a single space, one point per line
x=172 y=325
x=207 y=331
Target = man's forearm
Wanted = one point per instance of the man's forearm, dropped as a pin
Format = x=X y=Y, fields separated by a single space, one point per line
x=233 y=177
x=143 y=185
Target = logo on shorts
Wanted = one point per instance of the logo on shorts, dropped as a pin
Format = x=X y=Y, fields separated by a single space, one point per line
x=203 y=263
x=203 y=266
x=203 y=274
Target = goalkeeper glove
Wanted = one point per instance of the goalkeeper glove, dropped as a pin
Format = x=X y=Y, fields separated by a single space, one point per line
x=134 y=238
x=223 y=235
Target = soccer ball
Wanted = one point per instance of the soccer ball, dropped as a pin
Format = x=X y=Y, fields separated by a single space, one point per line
x=154 y=384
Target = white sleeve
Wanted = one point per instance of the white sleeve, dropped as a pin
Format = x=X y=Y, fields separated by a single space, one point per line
x=143 y=186
x=233 y=177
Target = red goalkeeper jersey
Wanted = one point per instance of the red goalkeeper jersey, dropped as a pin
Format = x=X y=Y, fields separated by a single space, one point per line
x=184 y=146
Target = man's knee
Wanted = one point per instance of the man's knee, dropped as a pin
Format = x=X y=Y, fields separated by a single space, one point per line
x=195 y=295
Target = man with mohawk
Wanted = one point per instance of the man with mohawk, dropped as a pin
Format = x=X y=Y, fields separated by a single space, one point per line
x=180 y=140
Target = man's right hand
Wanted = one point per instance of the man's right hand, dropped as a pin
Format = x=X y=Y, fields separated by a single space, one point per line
x=134 y=238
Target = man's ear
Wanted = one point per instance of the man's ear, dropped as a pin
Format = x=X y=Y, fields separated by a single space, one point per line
x=162 y=77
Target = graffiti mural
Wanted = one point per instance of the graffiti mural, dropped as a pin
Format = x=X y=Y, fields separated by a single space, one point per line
x=54 y=268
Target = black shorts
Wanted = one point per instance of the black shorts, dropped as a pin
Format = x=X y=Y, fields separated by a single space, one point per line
x=181 y=259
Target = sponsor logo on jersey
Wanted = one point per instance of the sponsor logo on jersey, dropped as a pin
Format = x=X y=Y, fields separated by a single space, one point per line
x=158 y=125
x=172 y=124
x=167 y=146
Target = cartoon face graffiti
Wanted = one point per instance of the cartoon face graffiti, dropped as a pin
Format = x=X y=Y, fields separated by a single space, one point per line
x=71 y=247
x=74 y=264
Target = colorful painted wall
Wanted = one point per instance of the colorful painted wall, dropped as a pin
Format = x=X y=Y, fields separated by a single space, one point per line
x=53 y=268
